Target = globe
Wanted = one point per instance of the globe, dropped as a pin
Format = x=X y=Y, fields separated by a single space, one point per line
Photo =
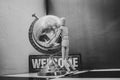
x=42 y=31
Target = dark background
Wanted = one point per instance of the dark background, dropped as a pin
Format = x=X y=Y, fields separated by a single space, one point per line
x=94 y=28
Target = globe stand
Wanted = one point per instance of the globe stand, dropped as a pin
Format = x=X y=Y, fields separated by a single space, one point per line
x=51 y=69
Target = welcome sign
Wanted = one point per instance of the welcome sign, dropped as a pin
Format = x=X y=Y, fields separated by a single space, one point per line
x=37 y=62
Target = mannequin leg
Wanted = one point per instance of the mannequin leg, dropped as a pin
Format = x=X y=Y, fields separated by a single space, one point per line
x=64 y=61
x=67 y=55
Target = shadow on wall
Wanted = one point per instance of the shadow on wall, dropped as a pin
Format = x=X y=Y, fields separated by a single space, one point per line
x=93 y=28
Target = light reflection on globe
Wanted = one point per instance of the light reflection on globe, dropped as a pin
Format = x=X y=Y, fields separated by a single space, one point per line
x=42 y=34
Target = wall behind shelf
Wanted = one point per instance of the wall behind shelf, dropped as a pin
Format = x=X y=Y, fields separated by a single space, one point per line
x=15 y=20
